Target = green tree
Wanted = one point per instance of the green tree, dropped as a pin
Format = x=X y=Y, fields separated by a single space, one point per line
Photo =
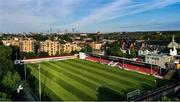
x=133 y=54
x=9 y=78
x=11 y=81
x=92 y=36
x=165 y=98
x=1 y=43
x=40 y=37
x=87 y=48
x=74 y=52
x=5 y=60
x=27 y=55
x=114 y=49
x=4 y=97
x=65 y=37
x=43 y=54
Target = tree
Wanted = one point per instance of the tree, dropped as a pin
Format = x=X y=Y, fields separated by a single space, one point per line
x=132 y=54
x=87 y=48
x=15 y=52
x=43 y=54
x=4 y=97
x=5 y=60
x=9 y=78
x=92 y=36
x=165 y=98
x=11 y=81
x=1 y=43
x=27 y=55
x=114 y=49
x=65 y=37
x=40 y=37
x=74 y=52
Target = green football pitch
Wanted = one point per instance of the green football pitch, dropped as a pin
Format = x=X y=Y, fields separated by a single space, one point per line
x=78 y=80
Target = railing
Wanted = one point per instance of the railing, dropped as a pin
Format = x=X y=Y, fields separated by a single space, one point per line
x=154 y=92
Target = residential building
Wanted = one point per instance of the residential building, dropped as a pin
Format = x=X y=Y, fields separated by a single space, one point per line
x=96 y=46
x=51 y=47
x=146 y=52
x=158 y=59
x=156 y=45
x=55 y=48
x=108 y=41
x=14 y=41
x=27 y=45
x=69 y=47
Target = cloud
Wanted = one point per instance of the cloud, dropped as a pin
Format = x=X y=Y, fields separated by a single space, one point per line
x=120 y=8
x=99 y=13
x=38 y=15
x=56 y=8
x=33 y=15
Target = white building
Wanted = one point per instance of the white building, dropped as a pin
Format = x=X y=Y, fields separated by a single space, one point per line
x=173 y=43
x=159 y=60
x=173 y=52
x=146 y=52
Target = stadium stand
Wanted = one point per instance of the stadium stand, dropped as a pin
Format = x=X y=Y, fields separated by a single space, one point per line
x=36 y=60
x=110 y=63
x=131 y=67
x=114 y=64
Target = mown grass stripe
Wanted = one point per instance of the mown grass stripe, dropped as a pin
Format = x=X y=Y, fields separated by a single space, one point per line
x=110 y=71
x=104 y=74
x=114 y=70
x=119 y=87
x=57 y=89
x=84 y=91
x=80 y=79
x=78 y=73
x=96 y=76
x=48 y=95
x=76 y=76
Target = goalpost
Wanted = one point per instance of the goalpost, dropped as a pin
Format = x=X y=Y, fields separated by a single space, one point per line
x=133 y=94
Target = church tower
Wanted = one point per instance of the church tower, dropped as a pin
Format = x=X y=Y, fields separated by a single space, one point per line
x=173 y=43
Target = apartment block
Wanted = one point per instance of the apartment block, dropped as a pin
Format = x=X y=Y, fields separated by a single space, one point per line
x=51 y=47
x=27 y=45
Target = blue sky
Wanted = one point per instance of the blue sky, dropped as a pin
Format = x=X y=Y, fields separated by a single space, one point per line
x=89 y=15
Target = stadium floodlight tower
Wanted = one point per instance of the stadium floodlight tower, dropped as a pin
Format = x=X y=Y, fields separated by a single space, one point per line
x=39 y=67
x=123 y=60
x=151 y=69
x=20 y=62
